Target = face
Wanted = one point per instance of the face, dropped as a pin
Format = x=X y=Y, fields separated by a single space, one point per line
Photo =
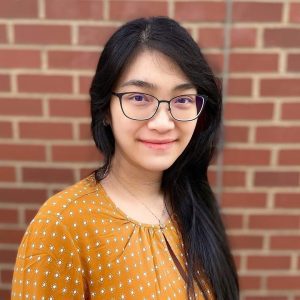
x=154 y=144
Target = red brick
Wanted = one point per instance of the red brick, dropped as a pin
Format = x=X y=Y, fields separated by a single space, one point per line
x=256 y=12
x=8 y=215
x=43 y=130
x=45 y=83
x=239 y=87
x=237 y=261
x=295 y=12
x=229 y=178
x=126 y=10
x=289 y=157
x=11 y=235
x=85 y=131
x=211 y=174
x=84 y=84
x=246 y=241
x=8 y=256
x=86 y=172
x=236 y=134
x=278 y=134
x=287 y=200
x=253 y=62
x=5 y=293
x=69 y=108
x=48 y=175
x=232 y=221
x=214 y=37
x=293 y=64
x=13 y=58
x=22 y=152
x=243 y=200
x=211 y=37
x=290 y=111
x=266 y=262
x=72 y=60
x=42 y=34
x=76 y=153
x=20 y=195
x=284 y=242
x=4 y=83
x=243 y=37
x=95 y=35
x=282 y=37
x=5 y=129
x=21 y=107
x=6 y=275
x=3 y=34
x=276 y=179
x=74 y=9
x=248 y=111
x=7 y=174
x=200 y=11
x=280 y=87
x=274 y=221
x=19 y=9
x=215 y=61
x=29 y=215
x=287 y=282
x=248 y=282
x=246 y=157
x=233 y=179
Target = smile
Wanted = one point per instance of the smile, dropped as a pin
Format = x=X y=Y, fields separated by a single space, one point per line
x=158 y=145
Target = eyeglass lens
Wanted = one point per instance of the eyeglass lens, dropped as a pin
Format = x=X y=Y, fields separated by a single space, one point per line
x=143 y=106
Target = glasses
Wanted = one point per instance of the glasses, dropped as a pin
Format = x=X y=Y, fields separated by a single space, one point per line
x=141 y=106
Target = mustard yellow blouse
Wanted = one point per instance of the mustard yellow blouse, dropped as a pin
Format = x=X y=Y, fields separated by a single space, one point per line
x=80 y=245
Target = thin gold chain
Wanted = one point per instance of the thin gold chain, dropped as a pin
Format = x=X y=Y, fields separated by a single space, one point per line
x=161 y=224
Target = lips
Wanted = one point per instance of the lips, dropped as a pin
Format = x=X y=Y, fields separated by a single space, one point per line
x=158 y=144
x=166 y=141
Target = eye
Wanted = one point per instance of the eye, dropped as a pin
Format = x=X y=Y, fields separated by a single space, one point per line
x=138 y=97
x=183 y=100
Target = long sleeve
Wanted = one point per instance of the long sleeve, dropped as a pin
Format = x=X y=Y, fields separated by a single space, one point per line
x=48 y=264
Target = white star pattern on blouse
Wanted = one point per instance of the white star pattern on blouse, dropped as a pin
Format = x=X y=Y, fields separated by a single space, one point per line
x=81 y=245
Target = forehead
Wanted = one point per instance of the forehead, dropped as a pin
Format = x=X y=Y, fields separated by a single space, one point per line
x=154 y=67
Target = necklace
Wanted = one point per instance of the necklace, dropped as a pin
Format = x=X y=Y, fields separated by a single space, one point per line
x=161 y=224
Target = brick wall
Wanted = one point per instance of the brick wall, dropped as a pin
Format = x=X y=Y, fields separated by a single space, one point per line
x=48 y=53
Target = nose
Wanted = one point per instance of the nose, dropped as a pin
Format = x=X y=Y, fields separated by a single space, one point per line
x=162 y=120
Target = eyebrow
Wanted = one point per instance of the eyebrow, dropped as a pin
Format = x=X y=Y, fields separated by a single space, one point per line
x=145 y=84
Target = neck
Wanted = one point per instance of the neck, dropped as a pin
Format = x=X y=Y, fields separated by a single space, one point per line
x=136 y=183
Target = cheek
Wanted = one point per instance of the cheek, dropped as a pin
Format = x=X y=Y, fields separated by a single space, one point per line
x=124 y=130
x=189 y=130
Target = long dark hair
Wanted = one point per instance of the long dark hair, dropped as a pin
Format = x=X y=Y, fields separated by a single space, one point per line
x=185 y=183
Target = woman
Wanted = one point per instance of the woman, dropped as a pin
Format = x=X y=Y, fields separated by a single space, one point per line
x=146 y=224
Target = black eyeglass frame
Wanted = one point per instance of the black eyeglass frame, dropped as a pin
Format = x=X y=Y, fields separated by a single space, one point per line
x=120 y=95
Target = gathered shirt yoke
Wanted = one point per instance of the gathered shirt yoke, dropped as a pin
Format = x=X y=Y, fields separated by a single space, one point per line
x=80 y=245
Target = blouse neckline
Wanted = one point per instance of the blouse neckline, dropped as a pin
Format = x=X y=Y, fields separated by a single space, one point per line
x=120 y=211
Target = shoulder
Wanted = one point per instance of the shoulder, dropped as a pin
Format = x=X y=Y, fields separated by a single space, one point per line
x=61 y=218
x=69 y=201
x=65 y=209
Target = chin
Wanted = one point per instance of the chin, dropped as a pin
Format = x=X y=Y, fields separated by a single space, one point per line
x=157 y=166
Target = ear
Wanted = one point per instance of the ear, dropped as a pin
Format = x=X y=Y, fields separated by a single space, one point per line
x=107 y=120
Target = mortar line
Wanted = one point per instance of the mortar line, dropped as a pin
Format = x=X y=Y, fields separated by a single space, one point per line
x=225 y=73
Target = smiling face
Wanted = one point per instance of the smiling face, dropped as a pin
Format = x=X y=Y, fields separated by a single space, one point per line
x=154 y=144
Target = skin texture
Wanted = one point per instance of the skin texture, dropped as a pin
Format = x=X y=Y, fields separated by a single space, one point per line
x=137 y=167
